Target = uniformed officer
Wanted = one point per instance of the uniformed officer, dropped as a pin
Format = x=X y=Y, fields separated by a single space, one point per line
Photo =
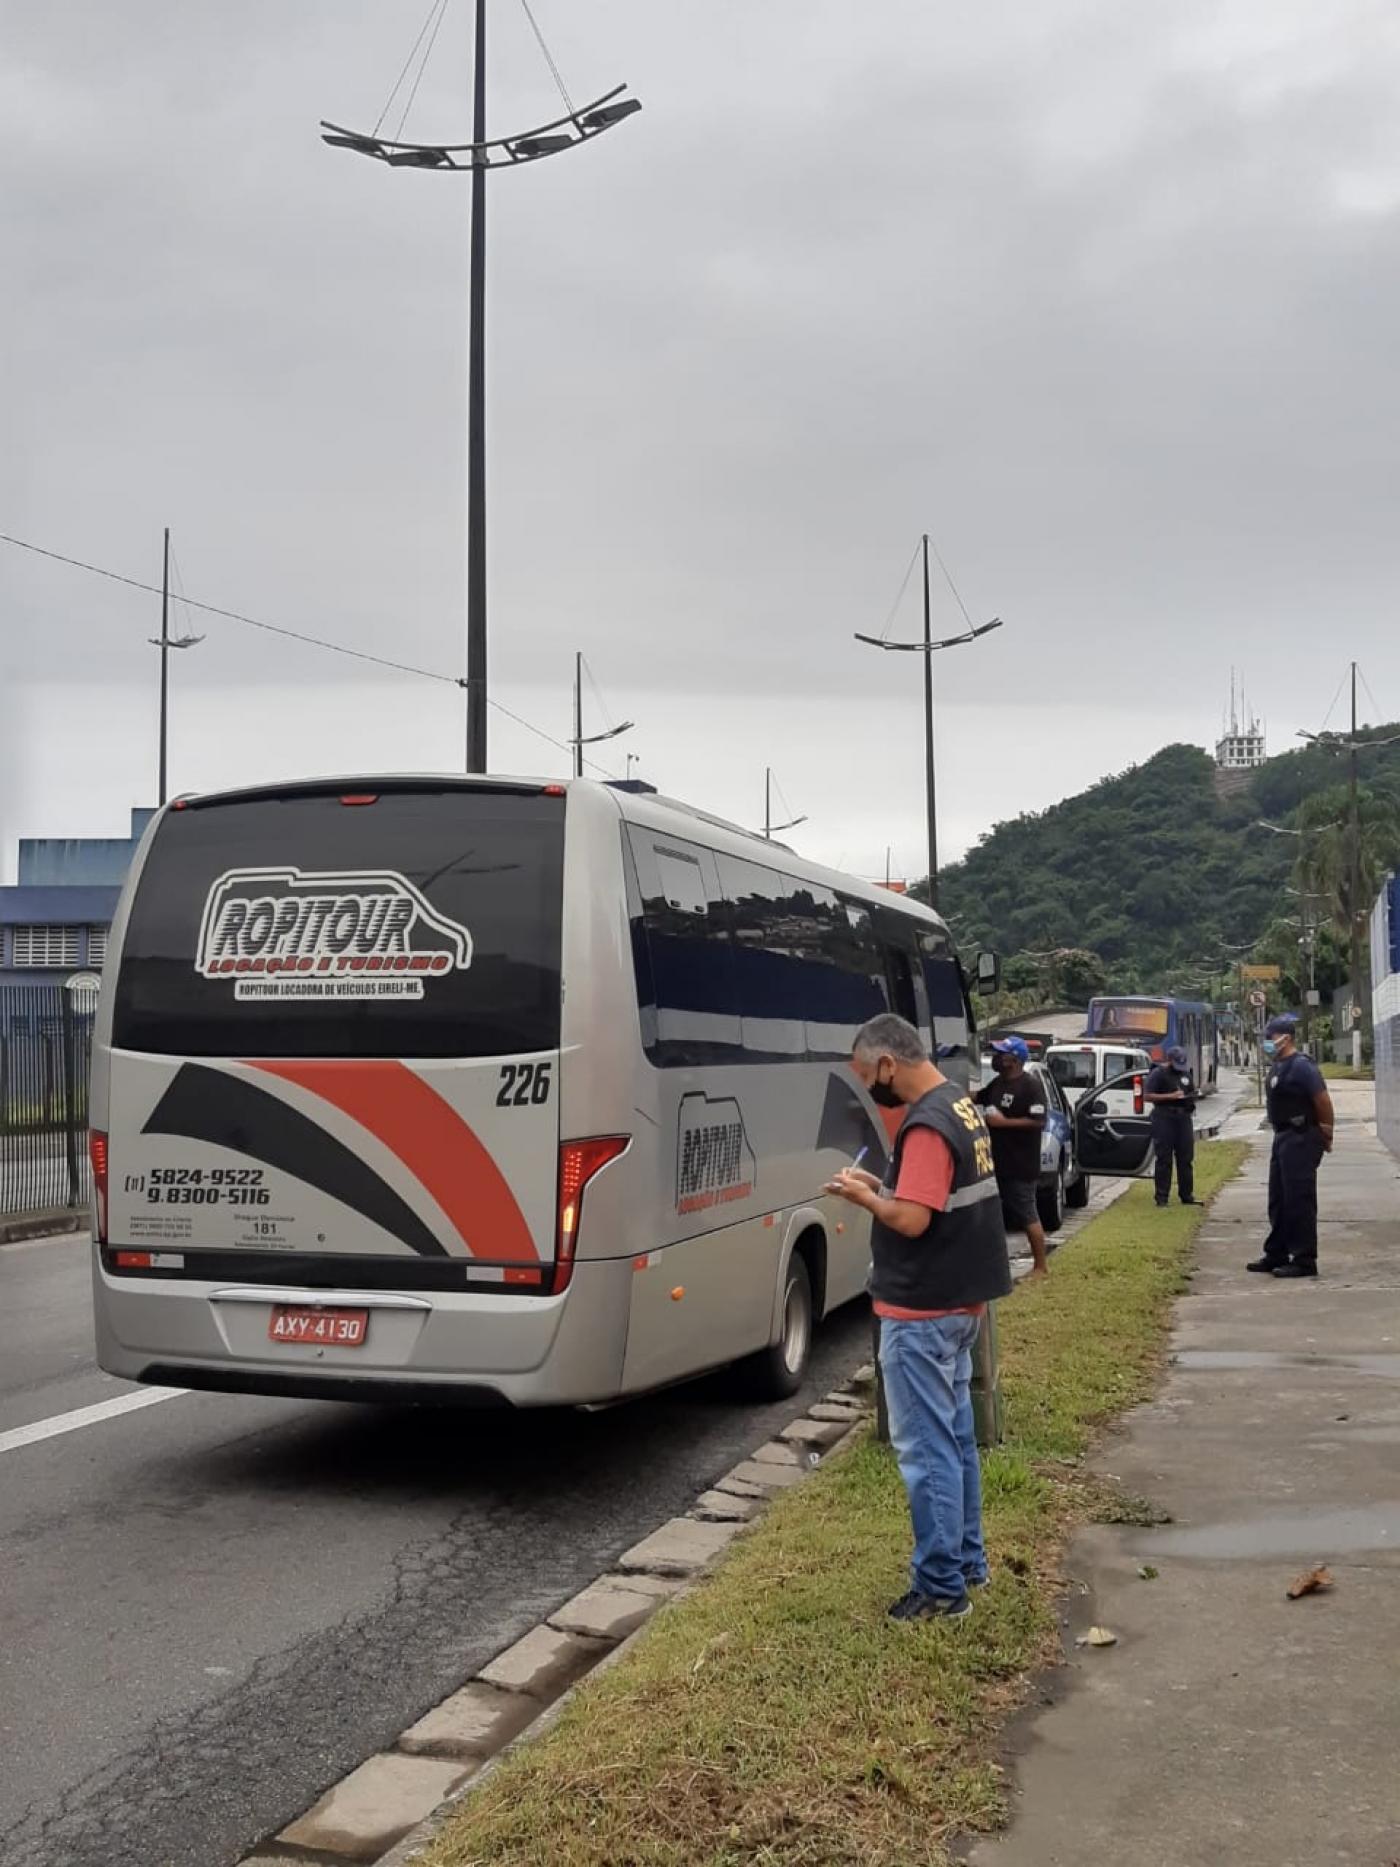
x=1301 y=1116
x=1171 y=1089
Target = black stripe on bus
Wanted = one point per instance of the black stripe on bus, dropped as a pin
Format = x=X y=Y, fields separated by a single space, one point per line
x=211 y=1105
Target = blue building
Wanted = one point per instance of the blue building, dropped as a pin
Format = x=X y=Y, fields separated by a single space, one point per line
x=1385 y=1008
x=54 y=921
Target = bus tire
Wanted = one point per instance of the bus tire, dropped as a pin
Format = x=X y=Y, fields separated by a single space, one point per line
x=1077 y=1193
x=1050 y=1202
x=779 y=1370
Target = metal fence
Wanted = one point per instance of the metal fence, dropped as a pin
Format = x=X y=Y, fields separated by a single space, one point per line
x=45 y=1052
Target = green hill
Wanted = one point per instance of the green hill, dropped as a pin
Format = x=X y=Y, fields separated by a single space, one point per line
x=1149 y=870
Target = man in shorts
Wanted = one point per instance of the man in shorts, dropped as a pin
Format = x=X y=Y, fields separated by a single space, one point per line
x=1013 y=1106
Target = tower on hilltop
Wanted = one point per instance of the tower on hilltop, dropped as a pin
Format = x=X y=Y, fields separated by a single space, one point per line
x=1240 y=746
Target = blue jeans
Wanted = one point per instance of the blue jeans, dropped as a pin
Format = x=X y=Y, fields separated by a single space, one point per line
x=927 y=1367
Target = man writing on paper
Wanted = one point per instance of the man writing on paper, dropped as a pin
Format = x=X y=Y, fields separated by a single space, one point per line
x=938 y=1249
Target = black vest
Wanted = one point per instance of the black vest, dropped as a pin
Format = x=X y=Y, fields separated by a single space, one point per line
x=962 y=1258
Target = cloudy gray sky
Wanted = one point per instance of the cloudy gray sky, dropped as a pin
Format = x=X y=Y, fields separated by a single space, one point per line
x=1104 y=296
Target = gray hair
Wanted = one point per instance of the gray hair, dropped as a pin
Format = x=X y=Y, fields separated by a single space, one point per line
x=890 y=1036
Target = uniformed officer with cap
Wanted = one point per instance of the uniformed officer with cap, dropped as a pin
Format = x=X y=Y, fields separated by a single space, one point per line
x=1301 y=1116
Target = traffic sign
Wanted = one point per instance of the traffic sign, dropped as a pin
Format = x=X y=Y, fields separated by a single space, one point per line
x=1258 y=1000
x=1272 y=974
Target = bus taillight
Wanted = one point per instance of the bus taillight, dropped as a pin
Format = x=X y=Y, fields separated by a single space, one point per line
x=97 y=1153
x=578 y=1162
x=1139 y=1106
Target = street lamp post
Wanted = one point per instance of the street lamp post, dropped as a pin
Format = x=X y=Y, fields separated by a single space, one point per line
x=578 y=742
x=165 y=642
x=928 y=648
x=771 y=829
x=567 y=132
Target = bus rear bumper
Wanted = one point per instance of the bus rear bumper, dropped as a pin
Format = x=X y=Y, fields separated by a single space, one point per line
x=470 y=1348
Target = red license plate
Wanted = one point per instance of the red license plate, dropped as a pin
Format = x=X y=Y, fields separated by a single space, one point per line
x=324 y=1328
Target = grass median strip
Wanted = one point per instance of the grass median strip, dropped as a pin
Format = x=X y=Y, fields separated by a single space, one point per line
x=775 y=1715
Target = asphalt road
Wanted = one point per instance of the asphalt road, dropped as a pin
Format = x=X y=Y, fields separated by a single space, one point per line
x=214 y=1606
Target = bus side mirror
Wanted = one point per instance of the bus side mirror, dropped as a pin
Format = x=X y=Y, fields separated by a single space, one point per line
x=988 y=974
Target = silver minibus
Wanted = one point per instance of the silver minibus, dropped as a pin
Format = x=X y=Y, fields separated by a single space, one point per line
x=485 y=1089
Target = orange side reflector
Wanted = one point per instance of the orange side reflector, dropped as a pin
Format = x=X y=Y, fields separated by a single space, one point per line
x=678 y=1293
x=132 y=1260
x=518 y=1274
x=640 y=1264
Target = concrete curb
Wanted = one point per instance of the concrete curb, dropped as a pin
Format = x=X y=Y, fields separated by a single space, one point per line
x=52 y=1223
x=386 y=1810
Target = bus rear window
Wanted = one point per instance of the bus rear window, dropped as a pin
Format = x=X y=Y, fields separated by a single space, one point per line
x=424 y=925
x=1126 y=1018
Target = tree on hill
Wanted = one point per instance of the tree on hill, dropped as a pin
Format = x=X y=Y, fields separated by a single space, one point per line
x=1152 y=872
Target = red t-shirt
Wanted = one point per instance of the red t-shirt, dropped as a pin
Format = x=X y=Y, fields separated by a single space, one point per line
x=926 y=1170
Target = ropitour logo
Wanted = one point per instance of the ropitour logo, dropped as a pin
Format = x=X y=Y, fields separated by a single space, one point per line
x=294 y=933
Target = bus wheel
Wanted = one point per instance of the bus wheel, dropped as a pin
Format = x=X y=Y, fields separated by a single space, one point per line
x=780 y=1370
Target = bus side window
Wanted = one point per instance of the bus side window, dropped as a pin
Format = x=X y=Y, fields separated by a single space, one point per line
x=682 y=954
x=771 y=930
x=844 y=983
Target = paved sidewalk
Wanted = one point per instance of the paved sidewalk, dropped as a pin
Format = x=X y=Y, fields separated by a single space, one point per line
x=1231 y=1727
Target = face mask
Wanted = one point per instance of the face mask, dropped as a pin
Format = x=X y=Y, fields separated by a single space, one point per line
x=883 y=1095
x=1270 y=1048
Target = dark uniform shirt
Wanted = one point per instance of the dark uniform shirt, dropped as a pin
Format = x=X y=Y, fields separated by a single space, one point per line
x=1015 y=1151
x=1291 y=1084
x=1164 y=1080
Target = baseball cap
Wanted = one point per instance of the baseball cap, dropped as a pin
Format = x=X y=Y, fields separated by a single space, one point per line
x=1013 y=1047
x=1177 y=1057
x=1281 y=1026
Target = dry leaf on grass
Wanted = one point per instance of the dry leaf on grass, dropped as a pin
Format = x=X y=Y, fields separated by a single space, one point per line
x=1098 y=1637
x=1312 y=1582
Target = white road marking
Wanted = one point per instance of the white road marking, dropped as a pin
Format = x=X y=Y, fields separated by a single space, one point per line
x=85 y=1416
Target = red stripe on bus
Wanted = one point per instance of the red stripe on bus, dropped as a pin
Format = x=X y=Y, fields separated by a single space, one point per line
x=433 y=1142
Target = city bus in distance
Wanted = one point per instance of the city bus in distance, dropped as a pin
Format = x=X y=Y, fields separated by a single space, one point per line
x=499 y=1091
x=1157 y=1024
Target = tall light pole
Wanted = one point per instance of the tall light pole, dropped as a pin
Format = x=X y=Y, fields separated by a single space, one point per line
x=164 y=666
x=578 y=742
x=165 y=641
x=771 y=829
x=567 y=132
x=928 y=648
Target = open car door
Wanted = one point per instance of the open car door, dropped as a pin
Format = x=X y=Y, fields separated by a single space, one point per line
x=1113 y=1128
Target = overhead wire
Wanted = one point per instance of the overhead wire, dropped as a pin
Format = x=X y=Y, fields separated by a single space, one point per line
x=177 y=591
x=233 y=615
x=549 y=58
x=389 y=100
x=608 y=720
x=1361 y=676
x=423 y=66
x=294 y=635
x=948 y=579
x=899 y=598
x=1335 y=698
